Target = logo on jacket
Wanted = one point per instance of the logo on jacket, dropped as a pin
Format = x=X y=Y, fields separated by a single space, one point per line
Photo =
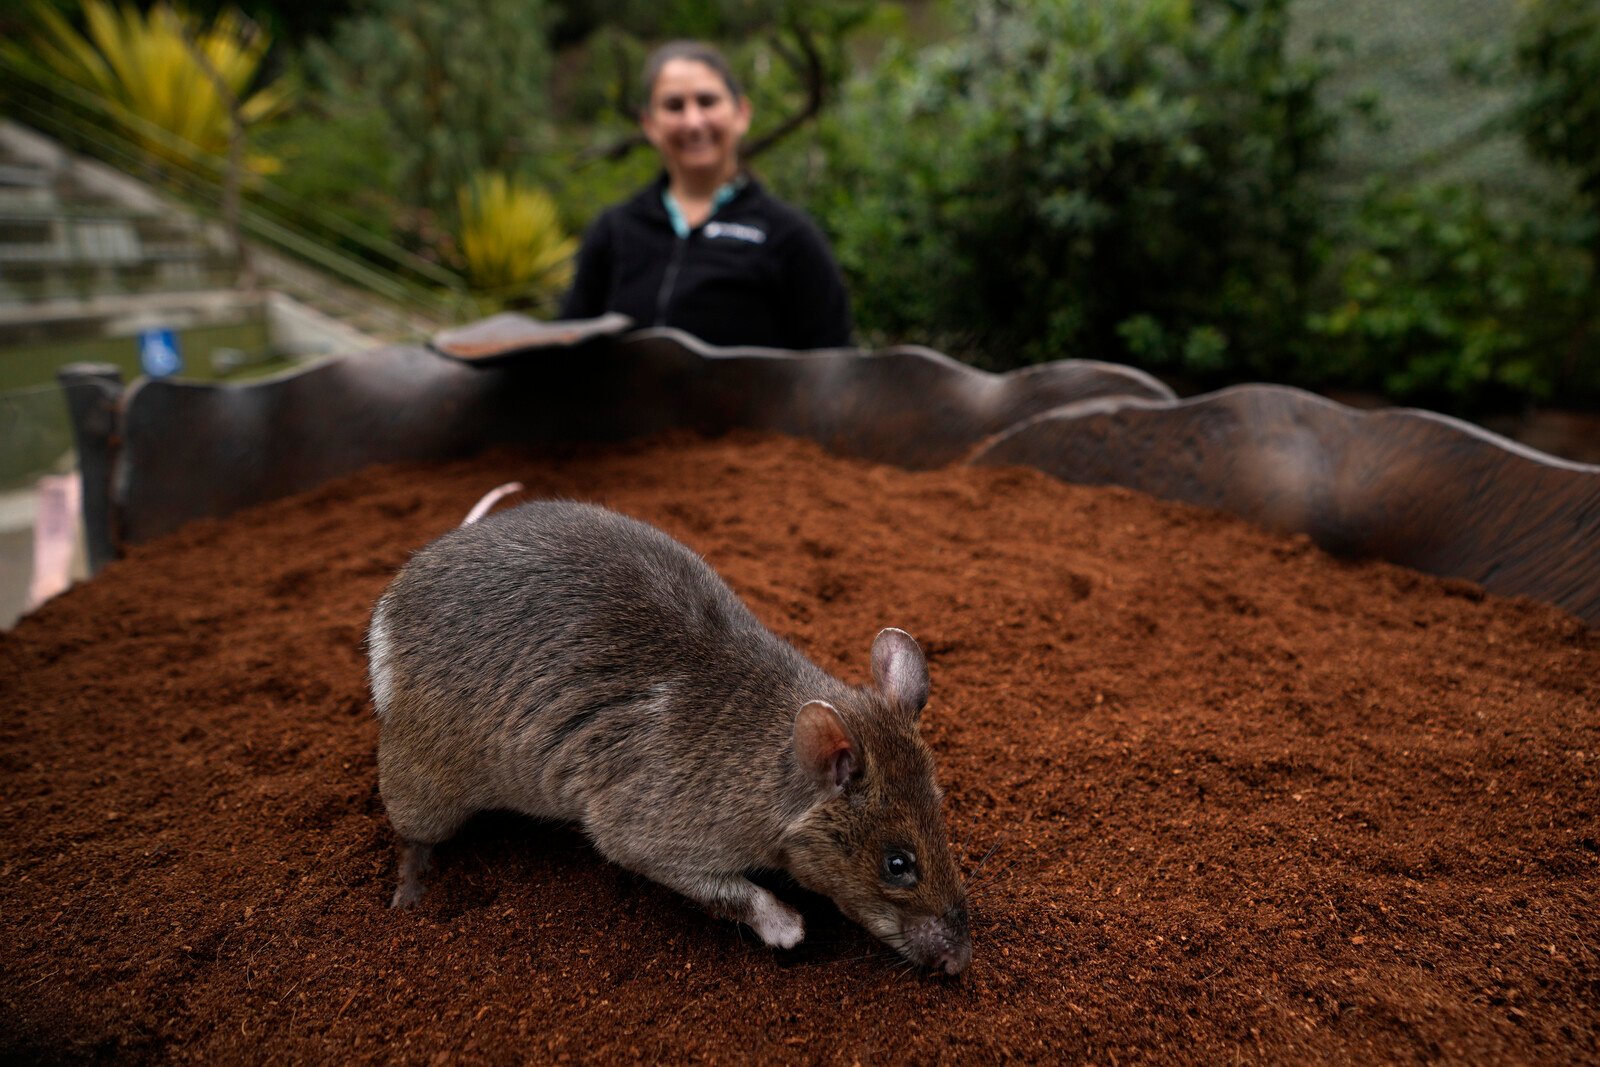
x=736 y=231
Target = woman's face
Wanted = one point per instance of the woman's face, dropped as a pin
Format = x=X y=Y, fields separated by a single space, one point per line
x=694 y=121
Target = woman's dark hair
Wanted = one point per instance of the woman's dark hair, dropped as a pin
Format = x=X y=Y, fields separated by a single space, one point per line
x=698 y=52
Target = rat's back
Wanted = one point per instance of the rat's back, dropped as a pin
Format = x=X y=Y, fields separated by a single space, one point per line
x=533 y=658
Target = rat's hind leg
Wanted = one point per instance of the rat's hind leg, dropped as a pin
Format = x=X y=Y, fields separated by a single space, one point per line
x=417 y=840
x=415 y=859
x=424 y=813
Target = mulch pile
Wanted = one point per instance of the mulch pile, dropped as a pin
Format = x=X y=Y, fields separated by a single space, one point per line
x=1237 y=798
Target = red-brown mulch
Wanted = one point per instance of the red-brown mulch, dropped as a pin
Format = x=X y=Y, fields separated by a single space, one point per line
x=1243 y=800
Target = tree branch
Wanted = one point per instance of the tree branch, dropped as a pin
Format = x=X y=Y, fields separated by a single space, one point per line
x=612 y=152
x=809 y=67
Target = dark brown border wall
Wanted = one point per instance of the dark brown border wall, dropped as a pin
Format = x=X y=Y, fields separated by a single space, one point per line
x=1408 y=486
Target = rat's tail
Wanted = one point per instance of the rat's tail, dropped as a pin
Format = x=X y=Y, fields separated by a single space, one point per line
x=490 y=499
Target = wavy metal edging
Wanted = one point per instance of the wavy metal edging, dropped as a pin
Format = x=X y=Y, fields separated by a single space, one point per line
x=194 y=450
x=510 y=333
x=1413 y=487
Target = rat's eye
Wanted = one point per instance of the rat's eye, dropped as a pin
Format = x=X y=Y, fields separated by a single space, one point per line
x=899 y=868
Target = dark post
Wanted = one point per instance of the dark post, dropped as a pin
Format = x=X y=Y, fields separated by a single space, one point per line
x=94 y=398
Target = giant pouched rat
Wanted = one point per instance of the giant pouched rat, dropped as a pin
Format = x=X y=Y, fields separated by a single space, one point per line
x=570 y=663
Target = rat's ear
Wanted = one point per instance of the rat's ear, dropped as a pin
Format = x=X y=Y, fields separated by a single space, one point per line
x=900 y=670
x=823 y=745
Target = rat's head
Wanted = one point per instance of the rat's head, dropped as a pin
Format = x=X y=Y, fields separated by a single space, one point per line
x=874 y=840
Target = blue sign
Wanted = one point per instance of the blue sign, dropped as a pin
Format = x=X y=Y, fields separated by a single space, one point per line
x=158 y=353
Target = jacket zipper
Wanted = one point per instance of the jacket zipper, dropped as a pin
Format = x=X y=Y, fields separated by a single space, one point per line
x=670 y=280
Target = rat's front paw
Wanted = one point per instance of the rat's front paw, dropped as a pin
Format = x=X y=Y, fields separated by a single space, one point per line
x=777 y=924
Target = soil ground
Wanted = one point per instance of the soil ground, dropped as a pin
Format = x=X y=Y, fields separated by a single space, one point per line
x=1239 y=799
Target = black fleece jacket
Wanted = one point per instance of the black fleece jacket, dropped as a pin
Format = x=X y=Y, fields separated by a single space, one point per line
x=758 y=272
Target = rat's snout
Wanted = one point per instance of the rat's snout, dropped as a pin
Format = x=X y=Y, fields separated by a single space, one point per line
x=940 y=942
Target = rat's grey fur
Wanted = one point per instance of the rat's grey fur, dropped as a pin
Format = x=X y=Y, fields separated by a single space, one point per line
x=567 y=662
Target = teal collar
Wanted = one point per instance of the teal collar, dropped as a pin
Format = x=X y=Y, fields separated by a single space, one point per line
x=680 y=225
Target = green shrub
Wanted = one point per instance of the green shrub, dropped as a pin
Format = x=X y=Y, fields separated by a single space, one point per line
x=515 y=252
x=460 y=87
x=1445 y=298
x=1097 y=178
x=339 y=161
x=1448 y=303
x=1558 y=51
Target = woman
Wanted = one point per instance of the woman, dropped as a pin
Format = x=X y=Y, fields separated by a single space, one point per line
x=704 y=248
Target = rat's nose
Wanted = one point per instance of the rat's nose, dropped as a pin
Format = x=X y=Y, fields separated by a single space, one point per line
x=953 y=959
x=956 y=952
x=939 y=942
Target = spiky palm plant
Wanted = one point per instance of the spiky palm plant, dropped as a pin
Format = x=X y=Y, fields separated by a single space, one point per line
x=144 y=67
x=511 y=239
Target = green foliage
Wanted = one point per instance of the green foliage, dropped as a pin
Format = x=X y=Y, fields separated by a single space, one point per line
x=1558 y=52
x=1138 y=180
x=511 y=241
x=1097 y=178
x=337 y=158
x=461 y=85
x=1443 y=297
x=1558 y=48
x=1143 y=180
x=1448 y=303
x=728 y=22
x=145 y=67
x=293 y=20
